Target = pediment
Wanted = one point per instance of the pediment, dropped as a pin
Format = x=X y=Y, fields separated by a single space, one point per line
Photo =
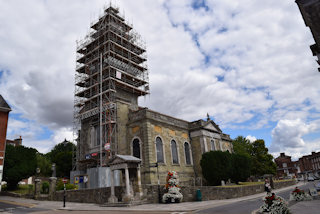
x=212 y=127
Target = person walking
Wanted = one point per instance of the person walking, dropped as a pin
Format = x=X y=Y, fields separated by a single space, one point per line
x=267 y=186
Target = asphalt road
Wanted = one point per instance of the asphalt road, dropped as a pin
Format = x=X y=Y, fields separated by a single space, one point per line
x=109 y=212
x=246 y=207
x=16 y=208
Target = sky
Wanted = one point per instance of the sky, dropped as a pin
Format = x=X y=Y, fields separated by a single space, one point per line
x=247 y=63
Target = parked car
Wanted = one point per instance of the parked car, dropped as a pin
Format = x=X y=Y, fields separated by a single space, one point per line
x=317 y=186
x=300 y=179
x=310 y=178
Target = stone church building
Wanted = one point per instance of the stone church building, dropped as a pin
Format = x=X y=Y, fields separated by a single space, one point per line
x=112 y=130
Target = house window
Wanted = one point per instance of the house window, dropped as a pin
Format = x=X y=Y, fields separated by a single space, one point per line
x=187 y=153
x=204 y=147
x=174 y=152
x=284 y=165
x=136 y=148
x=212 y=145
x=159 y=148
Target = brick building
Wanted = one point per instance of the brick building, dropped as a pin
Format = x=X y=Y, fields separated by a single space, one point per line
x=310 y=11
x=15 y=142
x=310 y=164
x=4 y=115
x=286 y=167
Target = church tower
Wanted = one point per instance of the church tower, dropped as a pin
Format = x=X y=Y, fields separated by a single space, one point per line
x=111 y=73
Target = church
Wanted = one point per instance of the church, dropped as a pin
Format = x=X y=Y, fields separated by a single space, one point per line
x=117 y=140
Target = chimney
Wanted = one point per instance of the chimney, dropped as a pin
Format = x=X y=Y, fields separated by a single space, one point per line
x=282 y=154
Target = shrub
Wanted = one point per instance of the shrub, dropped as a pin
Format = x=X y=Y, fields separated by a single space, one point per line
x=241 y=167
x=216 y=166
x=69 y=186
x=45 y=188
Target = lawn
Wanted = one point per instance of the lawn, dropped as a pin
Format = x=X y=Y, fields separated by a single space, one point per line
x=22 y=189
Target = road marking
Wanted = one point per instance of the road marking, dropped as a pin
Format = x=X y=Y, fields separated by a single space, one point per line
x=18 y=204
x=178 y=212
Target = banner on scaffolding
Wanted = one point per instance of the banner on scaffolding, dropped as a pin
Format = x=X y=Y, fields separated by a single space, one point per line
x=107 y=146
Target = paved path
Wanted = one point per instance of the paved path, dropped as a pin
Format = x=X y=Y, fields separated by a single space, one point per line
x=179 y=207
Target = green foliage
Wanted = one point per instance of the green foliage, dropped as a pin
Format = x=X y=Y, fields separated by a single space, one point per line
x=60 y=185
x=242 y=146
x=216 y=166
x=44 y=164
x=61 y=155
x=45 y=187
x=20 y=162
x=262 y=161
x=241 y=167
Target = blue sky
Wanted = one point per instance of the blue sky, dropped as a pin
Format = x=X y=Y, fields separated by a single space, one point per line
x=247 y=63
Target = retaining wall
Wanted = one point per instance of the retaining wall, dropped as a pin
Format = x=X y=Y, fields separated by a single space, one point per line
x=151 y=192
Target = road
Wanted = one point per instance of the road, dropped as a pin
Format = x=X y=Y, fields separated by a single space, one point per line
x=18 y=208
x=110 y=212
x=245 y=207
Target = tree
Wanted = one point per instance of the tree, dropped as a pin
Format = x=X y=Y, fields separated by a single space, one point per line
x=44 y=164
x=262 y=161
x=216 y=166
x=242 y=146
x=61 y=155
x=241 y=167
x=20 y=162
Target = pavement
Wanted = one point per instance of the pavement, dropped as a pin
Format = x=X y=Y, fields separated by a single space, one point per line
x=306 y=207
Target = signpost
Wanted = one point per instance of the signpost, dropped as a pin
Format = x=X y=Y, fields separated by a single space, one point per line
x=64 y=180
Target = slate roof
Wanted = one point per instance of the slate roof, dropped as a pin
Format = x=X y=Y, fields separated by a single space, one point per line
x=4 y=105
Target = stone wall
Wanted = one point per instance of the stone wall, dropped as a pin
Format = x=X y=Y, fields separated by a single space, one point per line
x=98 y=196
x=213 y=192
x=151 y=193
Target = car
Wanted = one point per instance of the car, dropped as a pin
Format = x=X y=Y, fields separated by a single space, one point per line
x=317 y=186
x=310 y=178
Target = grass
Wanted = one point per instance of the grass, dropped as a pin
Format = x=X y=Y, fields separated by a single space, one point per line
x=22 y=189
x=253 y=183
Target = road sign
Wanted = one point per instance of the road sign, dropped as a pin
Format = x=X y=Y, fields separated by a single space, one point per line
x=64 y=180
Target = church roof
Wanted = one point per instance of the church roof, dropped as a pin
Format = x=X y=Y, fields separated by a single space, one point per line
x=4 y=105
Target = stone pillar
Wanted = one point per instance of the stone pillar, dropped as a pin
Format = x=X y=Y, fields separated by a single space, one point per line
x=139 y=180
x=127 y=197
x=52 y=187
x=37 y=183
x=112 y=198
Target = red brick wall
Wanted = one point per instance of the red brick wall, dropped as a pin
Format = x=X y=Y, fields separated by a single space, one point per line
x=3 y=133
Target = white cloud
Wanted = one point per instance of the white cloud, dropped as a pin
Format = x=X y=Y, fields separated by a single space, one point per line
x=251 y=138
x=288 y=136
x=238 y=61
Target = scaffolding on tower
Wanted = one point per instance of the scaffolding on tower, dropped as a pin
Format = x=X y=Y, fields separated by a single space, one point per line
x=112 y=57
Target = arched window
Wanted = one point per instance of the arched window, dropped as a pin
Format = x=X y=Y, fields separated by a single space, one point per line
x=187 y=153
x=136 y=148
x=212 y=145
x=174 y=152
x=159 y=147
